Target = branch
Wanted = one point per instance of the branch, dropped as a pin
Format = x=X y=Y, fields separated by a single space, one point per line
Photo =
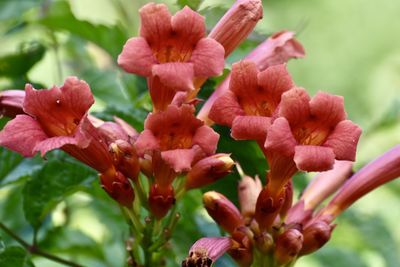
x=35 y=250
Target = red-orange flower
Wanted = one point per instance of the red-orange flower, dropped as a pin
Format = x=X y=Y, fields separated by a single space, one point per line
x=171 y=51
x=252 y=99
x=57 y=118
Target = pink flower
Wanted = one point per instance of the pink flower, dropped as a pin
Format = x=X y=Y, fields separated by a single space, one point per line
x=308 y=135
x=277 y=49
x=172 y=142
x=252 y=99
x=58 y=118
x=171 y=52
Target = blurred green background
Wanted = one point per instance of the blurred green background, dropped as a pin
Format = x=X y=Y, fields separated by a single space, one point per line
x=352 y=49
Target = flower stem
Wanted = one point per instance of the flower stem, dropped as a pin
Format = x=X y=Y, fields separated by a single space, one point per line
x=35 y=250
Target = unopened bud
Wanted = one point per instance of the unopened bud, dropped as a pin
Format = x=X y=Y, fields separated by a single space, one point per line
x=287 y=204
x=267 y=208
x=11 y=102
x=248 y=191
x=237 y=23
x=118 y=187
x=125 y=158
x=222 y=210
x=264 y=242
x=288 y=245
x=315 y=236
x=243 y=256
x=206 y=251
x=161 y=200
x=208 y=170
x=146 y=166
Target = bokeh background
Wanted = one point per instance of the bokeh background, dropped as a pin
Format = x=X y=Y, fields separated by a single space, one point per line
x=352 y=49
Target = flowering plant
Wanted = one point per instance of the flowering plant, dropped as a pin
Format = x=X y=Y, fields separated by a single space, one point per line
x=146 y=171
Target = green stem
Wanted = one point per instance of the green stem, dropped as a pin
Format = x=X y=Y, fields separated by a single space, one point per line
x=35 y=250
x=141 y=193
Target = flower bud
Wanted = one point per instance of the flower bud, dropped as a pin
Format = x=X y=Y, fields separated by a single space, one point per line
x=237 y=23
x=161 y=200
x=264 y=242
x=11 y=102
x=248 y=191
x=287 y=204
x=125 y=158
x=206 y=251
x=243 y=256
x=288 y=245
x=146 y=166
x=222 y=210
x=315 y=236
x=267 y=208
x=208 y=170
x=118 y=187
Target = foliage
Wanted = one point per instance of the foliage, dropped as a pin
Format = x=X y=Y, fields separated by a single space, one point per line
x=45 y=40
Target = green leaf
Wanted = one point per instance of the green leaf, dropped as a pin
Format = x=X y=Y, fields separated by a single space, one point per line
x=61 y=18
x=193 y=4
x=339 y=257
x=2 y=245
x=50 y=185
x=15 y=257
x=134 y=116
x=20 y=63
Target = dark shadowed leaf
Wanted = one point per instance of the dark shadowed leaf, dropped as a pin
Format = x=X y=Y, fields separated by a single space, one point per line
x=18 y=64
x=50 y=185
x=15 y=257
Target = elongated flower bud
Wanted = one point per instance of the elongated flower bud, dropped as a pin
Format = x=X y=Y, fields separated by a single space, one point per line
x=222 y=210
x=248 y=191
x=315 y=236
x=208 y=170
x=237 y=23
x=268 y=207
x=382 y=170
x=288 y=245
x=288 y=199
x=206 y=251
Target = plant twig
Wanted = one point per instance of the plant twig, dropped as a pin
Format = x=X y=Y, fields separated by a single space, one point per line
x=35 y=250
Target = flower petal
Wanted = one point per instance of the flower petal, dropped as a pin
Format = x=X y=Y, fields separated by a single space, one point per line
x=280 y=138
x=294 y=106
x=275 y=80
x=207 y=250
x=53 y=143
x=343 y=140
x=206 y=138
x=244 y=80
x=146 y=142
x=188 y=24
x=250 y=127
x=314 y=158
x=327 y=108
x=176 y=75
x=225 y=109
x=208 y=58
x=59 y=110
x=155 y=23
x=22 y=134
x=179 y=159
x=137 y=57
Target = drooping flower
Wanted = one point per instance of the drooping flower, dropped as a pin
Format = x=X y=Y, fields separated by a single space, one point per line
x=57 y=118
x=277 y=49
x=252 y=99
x=172 y=51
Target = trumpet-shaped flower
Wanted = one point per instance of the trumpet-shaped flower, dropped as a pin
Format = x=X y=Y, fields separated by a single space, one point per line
x=171 y=51
x=252 y=100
